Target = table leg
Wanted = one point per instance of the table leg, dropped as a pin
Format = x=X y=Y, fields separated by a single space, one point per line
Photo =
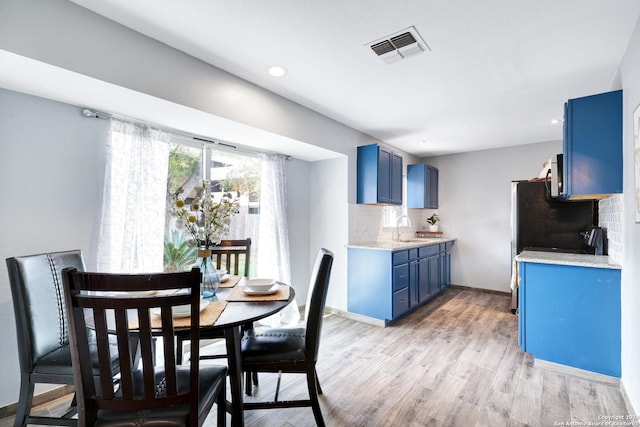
x=232 y=336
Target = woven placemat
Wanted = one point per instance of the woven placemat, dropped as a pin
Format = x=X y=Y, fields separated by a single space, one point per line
x=237 y=294
x=230 y=282
x=208 y=317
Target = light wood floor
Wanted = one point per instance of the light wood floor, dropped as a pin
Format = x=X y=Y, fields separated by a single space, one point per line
x=454 y=362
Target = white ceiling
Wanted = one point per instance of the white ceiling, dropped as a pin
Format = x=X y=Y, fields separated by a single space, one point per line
x=498 y=71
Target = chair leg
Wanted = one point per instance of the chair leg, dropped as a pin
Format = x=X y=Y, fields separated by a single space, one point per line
x=221 y=403
x=248 y=388
x=179 y=350
x=250 y=379
x=25 y=401
x=275 y=399
x=317 y=382
x=312 y=382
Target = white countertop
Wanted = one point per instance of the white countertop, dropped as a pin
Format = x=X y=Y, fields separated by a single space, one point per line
x=401 y=245
x=580 y=260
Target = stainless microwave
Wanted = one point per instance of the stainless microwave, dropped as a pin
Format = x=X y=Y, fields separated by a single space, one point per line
x=556 y=176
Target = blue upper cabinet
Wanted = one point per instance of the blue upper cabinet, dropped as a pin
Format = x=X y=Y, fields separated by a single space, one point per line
x=422 y=186
x=379 y=176
x=593 y=146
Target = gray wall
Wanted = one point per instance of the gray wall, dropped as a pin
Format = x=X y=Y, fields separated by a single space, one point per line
x=297 y=175
x=329 y=226
x=51 y=176
x=66 y=35
x=630 y=70
x=475 y=207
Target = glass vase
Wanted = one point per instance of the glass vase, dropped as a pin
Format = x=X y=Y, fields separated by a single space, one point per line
x=210 y=280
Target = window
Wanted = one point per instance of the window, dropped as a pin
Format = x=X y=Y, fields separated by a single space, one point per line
x=390 y=214
x=227 y=171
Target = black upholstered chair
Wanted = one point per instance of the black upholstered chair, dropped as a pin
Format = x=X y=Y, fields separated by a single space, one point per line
x=235 y=257
x=292 y=350
x=41 y=326
x=139 y=305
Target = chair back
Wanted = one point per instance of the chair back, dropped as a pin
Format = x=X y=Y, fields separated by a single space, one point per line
x=316 y=299
x=38 y=303
x=130 y=308
x=233 y=255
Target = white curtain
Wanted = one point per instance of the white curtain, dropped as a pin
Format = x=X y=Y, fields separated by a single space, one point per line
x=131 y=237
x=273 y=235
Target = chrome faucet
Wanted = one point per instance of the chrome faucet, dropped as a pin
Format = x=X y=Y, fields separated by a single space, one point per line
x=397 y=233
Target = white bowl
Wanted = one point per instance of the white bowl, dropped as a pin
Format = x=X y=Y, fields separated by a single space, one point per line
x=182 y=310
x=259 y=284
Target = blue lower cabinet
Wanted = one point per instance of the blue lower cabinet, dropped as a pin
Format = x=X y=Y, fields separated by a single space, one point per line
x=370 y=283
x=571 y=315
x=400 y=302
x=386 y=285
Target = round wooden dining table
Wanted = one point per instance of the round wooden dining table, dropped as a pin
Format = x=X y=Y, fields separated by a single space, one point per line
x=235 y=315
x=228 y=325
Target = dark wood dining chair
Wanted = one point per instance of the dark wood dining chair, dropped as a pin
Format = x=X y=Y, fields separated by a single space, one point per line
x=292 y=350
x=140 y=306
x=235 y=257
x=41 y=328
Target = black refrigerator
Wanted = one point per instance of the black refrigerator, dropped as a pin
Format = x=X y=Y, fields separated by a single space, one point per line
x=540 y=222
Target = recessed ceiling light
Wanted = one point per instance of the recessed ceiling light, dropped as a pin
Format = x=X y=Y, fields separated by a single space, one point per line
x=556 y=121
x=277 y=71
x=423 y=141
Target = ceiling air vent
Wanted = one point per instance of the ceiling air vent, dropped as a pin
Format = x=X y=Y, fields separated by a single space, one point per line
x=398 y=46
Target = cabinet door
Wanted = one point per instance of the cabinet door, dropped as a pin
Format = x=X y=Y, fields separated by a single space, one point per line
x=434 y=275
x=395 y=181
x=422 y=186
x=593 y=146
x=384 y=176
x=400 y=302
x=423 y=280
x=447 y=269
x=442 y=279
x=401 y=276
x=433 y=188
x=415 y=280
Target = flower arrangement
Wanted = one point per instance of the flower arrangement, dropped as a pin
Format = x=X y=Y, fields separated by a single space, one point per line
x=206 y=221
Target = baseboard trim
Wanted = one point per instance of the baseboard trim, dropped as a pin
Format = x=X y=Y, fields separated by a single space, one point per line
x=627 y=402
x=355 y=316
x=39 y=399
x=577 y=372
x=488 y=291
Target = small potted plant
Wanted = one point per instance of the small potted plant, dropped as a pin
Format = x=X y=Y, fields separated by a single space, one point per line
x=433 y=222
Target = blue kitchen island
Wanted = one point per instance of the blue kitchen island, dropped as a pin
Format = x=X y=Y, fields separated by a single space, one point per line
x=570 y=310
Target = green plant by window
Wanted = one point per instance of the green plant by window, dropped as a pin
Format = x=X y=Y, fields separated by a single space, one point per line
x=179 y=255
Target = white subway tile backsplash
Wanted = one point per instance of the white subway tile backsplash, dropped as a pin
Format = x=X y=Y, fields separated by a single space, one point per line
x=610 y=214
x=366 y=224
